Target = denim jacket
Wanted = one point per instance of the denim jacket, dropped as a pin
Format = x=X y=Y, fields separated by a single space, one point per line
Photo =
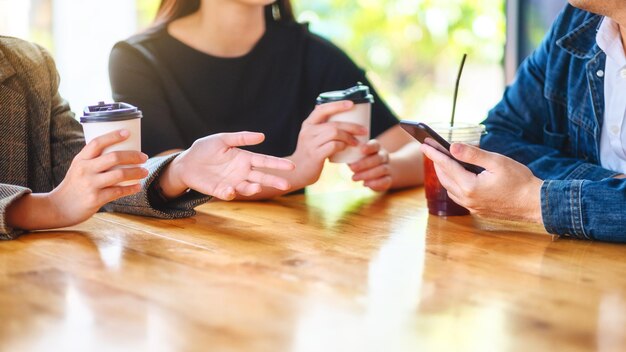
x=550 y=119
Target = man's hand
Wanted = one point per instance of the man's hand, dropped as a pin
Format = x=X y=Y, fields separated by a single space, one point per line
x=215 y=166
x=505 y=190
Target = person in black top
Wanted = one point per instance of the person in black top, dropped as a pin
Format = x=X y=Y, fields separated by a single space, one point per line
x=210 y=66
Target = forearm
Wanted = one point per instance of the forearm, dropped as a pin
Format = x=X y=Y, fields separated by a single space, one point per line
x=33 y=212
x=407 y=166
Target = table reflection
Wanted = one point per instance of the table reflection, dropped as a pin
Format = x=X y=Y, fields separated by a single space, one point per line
x=355 y=271
x=382 y=319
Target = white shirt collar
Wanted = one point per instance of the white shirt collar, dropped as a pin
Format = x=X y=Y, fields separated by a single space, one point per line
x=609 y=40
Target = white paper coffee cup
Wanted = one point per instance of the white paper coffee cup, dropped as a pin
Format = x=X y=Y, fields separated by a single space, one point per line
x=360 y=114
x=104 y=118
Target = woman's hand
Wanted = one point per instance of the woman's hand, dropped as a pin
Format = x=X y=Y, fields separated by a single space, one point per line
x=319 y=139
x=373 y=168
x=90 y=183
x=215 y=166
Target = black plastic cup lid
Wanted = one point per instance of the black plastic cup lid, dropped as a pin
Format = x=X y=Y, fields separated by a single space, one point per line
x=359 y=94
x=110 y=112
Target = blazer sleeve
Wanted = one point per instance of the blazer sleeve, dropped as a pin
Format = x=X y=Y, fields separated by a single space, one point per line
x=143 y=203
x=9 y=194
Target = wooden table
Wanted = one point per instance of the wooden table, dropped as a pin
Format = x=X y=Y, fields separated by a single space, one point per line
x=351 y=271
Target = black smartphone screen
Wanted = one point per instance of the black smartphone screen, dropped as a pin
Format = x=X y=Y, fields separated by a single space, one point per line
x=426 y=135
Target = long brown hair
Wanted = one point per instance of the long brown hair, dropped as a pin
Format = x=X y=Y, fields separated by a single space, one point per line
x=170 y=10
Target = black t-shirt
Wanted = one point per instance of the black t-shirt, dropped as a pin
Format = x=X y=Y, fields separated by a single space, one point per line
x=186 y=94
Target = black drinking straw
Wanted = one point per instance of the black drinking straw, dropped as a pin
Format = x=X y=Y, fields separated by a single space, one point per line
x=456 y=90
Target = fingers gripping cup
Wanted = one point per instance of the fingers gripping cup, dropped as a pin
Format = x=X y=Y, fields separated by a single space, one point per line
x=437 y=197
x=360 y=114
x=101 y=119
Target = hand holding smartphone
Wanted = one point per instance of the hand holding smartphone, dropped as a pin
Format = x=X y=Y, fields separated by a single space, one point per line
x=426 y=135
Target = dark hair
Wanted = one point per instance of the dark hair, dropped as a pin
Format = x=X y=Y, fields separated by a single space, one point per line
x=170 y=10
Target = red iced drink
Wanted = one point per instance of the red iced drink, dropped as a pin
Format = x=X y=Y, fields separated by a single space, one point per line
x=438 y=201
x=437 y=197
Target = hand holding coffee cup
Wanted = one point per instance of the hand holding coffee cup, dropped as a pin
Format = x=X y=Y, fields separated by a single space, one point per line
x=320 y=138
x=91 y=182
x=98 y=120
x=360 y=114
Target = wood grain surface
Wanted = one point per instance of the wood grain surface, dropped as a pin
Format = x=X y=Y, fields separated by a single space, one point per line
x=335 y=271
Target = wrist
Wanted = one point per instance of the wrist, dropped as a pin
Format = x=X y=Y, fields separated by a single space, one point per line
x=301 y=176
x=34 y=212
x=406 y=166
x=170 y=182
x=534 y=203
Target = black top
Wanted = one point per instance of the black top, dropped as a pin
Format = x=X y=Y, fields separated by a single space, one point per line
x=185 y=94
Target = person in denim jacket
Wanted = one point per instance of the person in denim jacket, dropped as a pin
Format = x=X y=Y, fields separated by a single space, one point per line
x=563 y=118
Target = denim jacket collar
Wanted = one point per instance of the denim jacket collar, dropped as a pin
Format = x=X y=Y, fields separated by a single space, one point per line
x=581 y=42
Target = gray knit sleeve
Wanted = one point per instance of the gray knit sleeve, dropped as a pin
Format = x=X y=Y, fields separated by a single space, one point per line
x=142 y=204
x=8 y=195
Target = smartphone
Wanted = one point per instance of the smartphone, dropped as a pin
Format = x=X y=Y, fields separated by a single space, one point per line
x=426 y=135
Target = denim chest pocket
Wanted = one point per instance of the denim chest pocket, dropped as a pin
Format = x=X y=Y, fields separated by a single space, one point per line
x=561 y=129
x=555 y=140
x=573 y=102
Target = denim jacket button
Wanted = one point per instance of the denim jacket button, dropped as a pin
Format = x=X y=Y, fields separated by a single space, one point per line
x=600 y=73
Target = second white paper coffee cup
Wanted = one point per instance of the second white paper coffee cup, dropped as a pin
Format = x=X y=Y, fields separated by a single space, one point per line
x=103 y=118
x=360 y=114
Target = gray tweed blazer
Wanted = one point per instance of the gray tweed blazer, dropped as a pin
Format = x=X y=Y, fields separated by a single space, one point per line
x=39 y=137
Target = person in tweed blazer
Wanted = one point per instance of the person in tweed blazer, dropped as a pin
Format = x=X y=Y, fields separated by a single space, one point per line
x=50 y=179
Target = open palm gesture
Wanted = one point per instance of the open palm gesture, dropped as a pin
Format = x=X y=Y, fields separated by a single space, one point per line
x=215 y=166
